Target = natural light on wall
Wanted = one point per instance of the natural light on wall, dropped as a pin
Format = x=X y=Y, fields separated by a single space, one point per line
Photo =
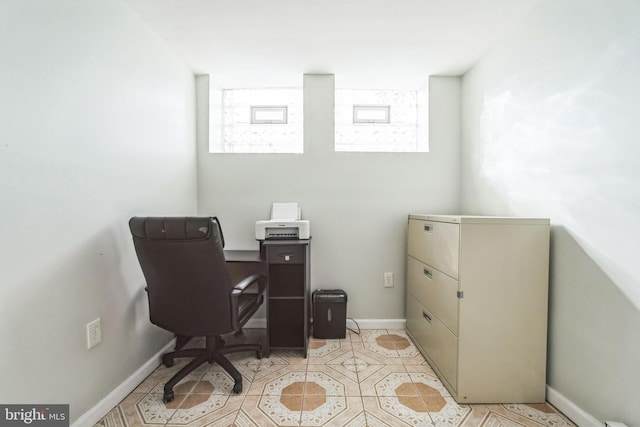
x=256 y=121
x=381 y=120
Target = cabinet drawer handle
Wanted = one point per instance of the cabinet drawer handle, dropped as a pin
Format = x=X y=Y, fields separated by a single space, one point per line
x=287 y=257
x=426 y=316
x=427 y=273
x=428 y=228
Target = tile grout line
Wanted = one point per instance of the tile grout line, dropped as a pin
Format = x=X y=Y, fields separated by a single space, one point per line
x=403 y=364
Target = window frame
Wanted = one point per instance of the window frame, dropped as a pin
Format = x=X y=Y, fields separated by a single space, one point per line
x=386 y=109
x=233 y=128
x=257 y=109
x=406 y=130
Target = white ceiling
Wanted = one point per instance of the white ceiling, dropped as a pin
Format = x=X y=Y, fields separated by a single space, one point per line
x=374 y=44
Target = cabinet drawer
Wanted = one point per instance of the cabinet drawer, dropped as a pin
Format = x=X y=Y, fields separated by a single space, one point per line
x=436 y=291
x=286 y=254
x=435 y=339
x=436 y=244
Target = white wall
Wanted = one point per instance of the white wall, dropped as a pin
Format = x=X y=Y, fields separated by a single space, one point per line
x=357 y=202
x=550 y=128
x=97 y=126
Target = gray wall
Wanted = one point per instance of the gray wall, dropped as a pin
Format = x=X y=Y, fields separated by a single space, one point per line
x=97 y=125
x=550 y=128
x=357 y=202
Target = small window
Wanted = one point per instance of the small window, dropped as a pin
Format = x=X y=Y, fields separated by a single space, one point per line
x=381 y=120
x=371 y=113
x=269 y=115
x=256 y=121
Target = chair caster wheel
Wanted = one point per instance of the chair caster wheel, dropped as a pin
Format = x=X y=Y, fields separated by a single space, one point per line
x=167 y=361
x=237 y=387
x=259 y=354
x=168 y=396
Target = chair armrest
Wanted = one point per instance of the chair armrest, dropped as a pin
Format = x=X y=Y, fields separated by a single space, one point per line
x=238 y=291
x=242 y=286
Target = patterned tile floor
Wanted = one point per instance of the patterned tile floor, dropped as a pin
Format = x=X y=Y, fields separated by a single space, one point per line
x=375 y=378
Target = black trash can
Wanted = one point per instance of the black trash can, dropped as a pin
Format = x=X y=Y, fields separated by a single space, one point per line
x=329 y=313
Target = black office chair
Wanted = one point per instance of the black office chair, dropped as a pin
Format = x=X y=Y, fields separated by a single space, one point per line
x=191 y=292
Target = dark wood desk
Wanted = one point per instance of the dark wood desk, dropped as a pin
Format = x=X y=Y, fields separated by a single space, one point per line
x=286 y=265
x=289 y=301
x=242 y=256
x=244 y=263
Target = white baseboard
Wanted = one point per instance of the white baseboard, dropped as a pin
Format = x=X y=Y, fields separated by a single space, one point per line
x=363 y=323
x=95 y=414
x=571 y=410
x=377 y=323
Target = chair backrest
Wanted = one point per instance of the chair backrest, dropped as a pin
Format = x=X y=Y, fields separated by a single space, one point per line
x=188 y=282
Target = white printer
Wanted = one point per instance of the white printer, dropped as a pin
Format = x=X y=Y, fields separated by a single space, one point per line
x=285 y=223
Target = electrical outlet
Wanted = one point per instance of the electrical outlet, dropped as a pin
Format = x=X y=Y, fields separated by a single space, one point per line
x=94 y=333
x=388 y=279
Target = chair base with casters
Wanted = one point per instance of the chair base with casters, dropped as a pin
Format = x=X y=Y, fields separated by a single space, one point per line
x=191 y=292
x=213 y=352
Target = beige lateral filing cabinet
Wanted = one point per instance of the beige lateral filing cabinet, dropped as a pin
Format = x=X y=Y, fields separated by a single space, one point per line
x=476 y=308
